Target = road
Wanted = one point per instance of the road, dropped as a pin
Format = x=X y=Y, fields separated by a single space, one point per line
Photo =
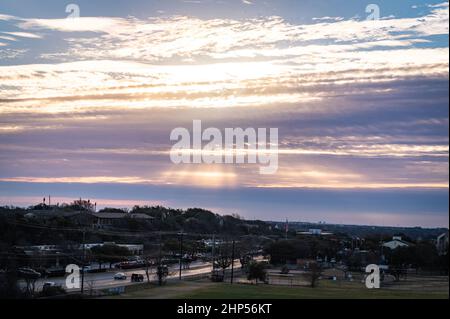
x=106 y=279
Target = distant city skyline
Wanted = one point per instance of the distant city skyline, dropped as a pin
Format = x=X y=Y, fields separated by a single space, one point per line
x=87 y=105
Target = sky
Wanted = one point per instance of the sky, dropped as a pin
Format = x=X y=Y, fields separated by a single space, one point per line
x=89 y=96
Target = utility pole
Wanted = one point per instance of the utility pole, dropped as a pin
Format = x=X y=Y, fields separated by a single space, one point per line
x=381 y=247
x=84 y=255
x=286 y=228
x=232 y=263
x=160 y=239
x=214 y=250
x=160 y=248
x=84 y=261
x=181 y=253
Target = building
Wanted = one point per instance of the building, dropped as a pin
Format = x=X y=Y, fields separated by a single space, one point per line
x=47 y=216
x=135 y=249
x=58 y=255
x=85 y=218
x=442 y=243
x=396 y=242
x=304 y=263
x=102 y=220
x=314 y=232
x=211 y=243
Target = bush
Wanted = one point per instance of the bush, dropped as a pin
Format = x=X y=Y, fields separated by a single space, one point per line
x=257 y=271
x=285 y=269
x=52 y=291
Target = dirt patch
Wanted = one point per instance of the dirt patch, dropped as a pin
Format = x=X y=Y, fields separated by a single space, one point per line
x=168 y=291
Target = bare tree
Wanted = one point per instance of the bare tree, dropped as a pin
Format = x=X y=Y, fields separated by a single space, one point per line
x=148 y=264
x=162 y=271
x=315 y=271
x=30 y=276
x=245 y=260
x=91 y=285
x=223 y=262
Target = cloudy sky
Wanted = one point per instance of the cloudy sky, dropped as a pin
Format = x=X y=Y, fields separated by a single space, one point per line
x=87 y=105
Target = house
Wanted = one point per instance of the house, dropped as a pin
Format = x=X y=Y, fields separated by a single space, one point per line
x=396 y=242
x=315 y=231
x=212 y=243
x=84 y=218
x=442 y=244
x=304 y=263
x=105 y=219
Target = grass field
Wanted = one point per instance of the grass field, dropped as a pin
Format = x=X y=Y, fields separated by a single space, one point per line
x=325 y=290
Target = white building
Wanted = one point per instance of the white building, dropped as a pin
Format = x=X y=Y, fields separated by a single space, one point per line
x=135 y=249
x=396 y=242
x=314 y=232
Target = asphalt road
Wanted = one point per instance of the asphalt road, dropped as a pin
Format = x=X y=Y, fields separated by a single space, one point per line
x=106 y=279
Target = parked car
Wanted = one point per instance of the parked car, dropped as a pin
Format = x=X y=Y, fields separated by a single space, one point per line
x=131 y=264
x=86 y=268
x=137 y=278
x=50 y=288
x=48 y=284
x=120 y=276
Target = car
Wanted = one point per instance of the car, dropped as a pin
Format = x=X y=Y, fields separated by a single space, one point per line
x=137 y=277
x=86 y=269
x=49 y=284
x=120 y=276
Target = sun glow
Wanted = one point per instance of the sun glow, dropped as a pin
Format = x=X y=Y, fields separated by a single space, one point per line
x=202 y=176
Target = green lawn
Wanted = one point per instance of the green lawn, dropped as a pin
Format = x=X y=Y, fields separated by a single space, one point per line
x=326 y=289
x=327 y=292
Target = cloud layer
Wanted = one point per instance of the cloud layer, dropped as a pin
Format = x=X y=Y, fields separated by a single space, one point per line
x=358 y=103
